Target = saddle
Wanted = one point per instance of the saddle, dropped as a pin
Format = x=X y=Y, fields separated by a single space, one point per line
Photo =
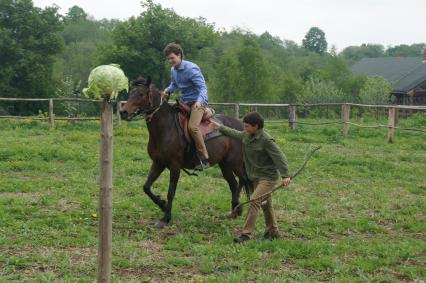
x=206 y=127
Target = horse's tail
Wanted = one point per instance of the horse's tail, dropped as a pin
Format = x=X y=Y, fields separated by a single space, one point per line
x=247 y=184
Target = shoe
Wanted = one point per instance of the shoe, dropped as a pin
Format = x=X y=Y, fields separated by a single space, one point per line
x=271 y=235
x=241 y=238
x=204 y=164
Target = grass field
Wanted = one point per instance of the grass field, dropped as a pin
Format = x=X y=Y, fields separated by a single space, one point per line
x=356 y=214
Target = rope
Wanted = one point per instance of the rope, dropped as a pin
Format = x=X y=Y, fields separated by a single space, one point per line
x=298 y=171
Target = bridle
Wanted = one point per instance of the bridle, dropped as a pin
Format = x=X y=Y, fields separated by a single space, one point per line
x=148 y=116
x=149 y=113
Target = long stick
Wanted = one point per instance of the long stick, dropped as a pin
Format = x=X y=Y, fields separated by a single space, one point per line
x=298 y=171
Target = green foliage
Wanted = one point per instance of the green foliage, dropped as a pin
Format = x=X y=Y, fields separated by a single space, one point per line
x=355 y=53
x=82 y=37
x=318 y=91
x=44 y=54
x=139 y=42
x=376 y=90
x=243 y=74
x=315 y=41
x=404 y=50
x=29 y=41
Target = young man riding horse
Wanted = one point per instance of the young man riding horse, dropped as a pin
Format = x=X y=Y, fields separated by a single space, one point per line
x=187 y=77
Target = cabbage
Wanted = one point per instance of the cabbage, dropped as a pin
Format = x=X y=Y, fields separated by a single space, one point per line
x=106 y=81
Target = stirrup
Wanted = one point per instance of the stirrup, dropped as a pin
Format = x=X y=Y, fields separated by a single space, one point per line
x=204 y=164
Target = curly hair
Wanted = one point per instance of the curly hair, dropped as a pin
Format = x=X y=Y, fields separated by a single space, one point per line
x=173 y=48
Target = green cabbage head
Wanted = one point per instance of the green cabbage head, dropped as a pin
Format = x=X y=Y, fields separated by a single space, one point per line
x=106 y=81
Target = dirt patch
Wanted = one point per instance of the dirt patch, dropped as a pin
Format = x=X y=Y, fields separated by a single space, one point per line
x=20 y=195
x=78 y=257
x=65 y=205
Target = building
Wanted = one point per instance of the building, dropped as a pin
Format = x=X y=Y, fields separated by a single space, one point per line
x=406 y=74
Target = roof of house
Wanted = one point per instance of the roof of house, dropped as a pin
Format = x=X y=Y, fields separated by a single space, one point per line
x=404 y=73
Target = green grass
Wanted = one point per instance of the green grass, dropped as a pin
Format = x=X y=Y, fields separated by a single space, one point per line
x=356 y=214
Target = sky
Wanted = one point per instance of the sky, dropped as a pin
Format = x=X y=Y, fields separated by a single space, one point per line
x=345 y=22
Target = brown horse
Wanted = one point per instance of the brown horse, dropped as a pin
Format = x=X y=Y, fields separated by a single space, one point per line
x=167 y=149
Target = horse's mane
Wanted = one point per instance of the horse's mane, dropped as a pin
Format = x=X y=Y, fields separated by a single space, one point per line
x=141 y=81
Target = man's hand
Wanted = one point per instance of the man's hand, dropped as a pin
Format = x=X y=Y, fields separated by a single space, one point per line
x=286 y=181
x=164 y=94
x=197 y=104
x=216 y=125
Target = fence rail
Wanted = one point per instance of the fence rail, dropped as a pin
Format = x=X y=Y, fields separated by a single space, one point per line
x=292 y=113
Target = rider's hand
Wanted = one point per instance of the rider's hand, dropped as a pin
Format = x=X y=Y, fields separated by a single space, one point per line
x=164 y=94
x=216 y=125
x=286 y=181
x=197 y=104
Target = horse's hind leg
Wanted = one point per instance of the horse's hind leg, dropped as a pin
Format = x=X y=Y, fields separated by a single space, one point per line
x=233 y=186
x=154 y=173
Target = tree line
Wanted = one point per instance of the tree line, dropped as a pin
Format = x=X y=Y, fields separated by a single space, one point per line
x=46 y=54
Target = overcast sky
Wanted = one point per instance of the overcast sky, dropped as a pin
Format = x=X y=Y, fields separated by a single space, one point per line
x=345 y=22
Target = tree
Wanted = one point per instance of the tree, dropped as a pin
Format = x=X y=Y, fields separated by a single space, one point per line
x=376 y=90
x=355 y=53
x=315 y=41
x=318 y=91
x=139 y=42
x=28 y=42
x=243 y=74
x=404 y=50
x=75 y=14
x=82 y=36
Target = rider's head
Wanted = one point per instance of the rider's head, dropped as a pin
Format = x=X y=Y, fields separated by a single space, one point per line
x=173 y=53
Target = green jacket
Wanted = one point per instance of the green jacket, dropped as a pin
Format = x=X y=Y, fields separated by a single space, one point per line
x=262 y=157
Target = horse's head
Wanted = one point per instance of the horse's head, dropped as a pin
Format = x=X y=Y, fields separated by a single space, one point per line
x=143 y=98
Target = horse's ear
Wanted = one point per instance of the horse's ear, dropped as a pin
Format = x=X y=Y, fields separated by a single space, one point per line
x=148 y=81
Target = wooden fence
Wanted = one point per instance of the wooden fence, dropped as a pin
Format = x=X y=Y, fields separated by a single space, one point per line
x=393 y=111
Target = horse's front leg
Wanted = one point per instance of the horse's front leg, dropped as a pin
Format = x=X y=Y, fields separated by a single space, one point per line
x=174 y=178
x=156 y=170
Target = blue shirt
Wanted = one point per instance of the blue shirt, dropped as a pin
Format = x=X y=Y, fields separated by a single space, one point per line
x=189 y=79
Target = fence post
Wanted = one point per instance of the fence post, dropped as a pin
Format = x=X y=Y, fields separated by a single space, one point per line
x=346 y=108
x=118 y=113
x=292 y=117
x=51 y=114
x=237 y=110
x=105 y=194
x=391 y=124
x=396 y=116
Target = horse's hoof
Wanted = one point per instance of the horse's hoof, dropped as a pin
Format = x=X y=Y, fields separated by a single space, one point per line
x=229 y=216
x=160 y=224
x=239 y=212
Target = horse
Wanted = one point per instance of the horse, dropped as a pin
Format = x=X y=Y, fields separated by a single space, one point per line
x=166 y=149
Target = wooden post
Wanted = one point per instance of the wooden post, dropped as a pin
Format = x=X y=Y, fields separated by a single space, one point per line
x=51 y=114
x=105 y=194
x=391 y=124
x=237 y=110
x=346 y=108
x=118 y=113
x=396 y=116
x=292 y=117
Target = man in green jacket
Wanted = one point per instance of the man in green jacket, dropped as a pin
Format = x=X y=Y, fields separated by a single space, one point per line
x=264 y=162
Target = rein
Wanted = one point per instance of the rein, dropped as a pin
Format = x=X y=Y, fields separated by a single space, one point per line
x=148 y=114
x=148 y=117
x=298 y=171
